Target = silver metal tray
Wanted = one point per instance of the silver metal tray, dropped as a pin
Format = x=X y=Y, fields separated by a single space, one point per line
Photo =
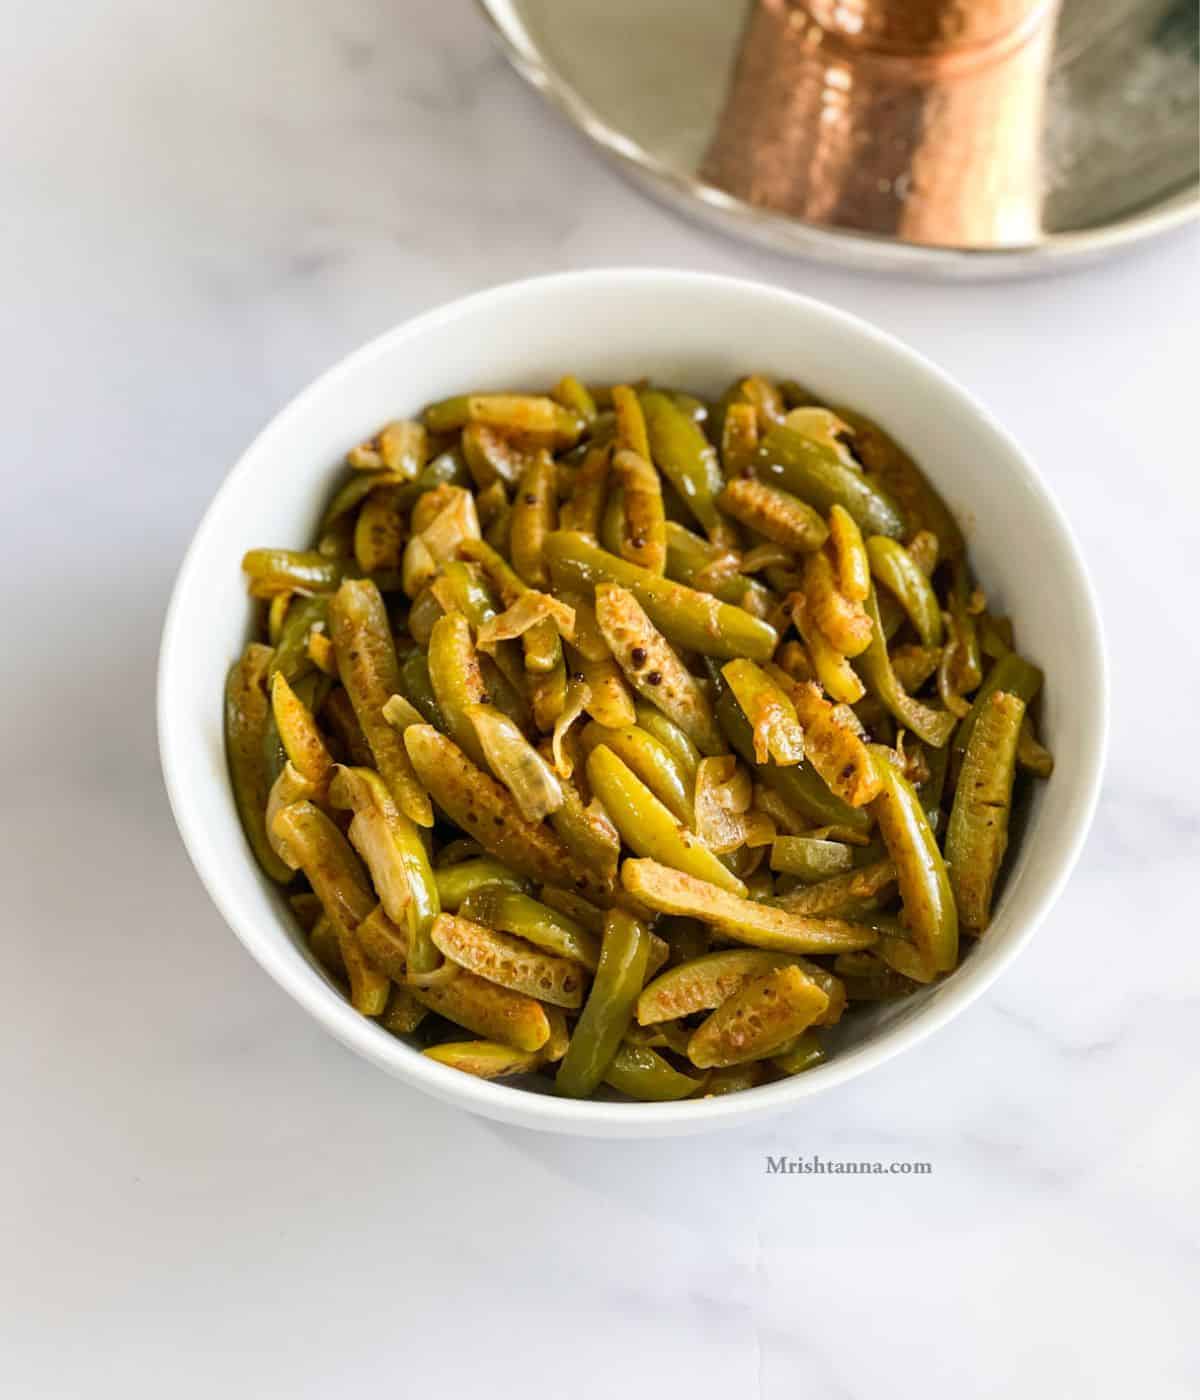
x=1075 y=139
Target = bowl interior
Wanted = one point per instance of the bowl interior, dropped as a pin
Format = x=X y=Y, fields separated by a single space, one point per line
x=689 y=331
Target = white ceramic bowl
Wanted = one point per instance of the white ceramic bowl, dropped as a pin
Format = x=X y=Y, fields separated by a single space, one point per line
x=693 y=331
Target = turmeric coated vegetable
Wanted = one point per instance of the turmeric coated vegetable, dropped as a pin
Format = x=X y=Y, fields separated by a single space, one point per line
x=929 y=910
x=875 y=666
x=706 y=982
x=530 y=416
x=805 y=1052
x=533 y=512
x=492 y=1011
x=712 y=568
x=305 y=617
x=775 y=514
x=833 y=746
x=852 y=893
x=498 y=957
x=746 y=920
x=1011 y=673
x=679 y=449
x=394 y=852
x=247 y=711
x=317 y=847
x=977 y=835
x=456 y=883
x=894 y=567
x=650 y=761
x=385 y=944
x=812 y=860
x=761 y=1017
x=775 y=729
x=457 y=681
x=653 y=668
x=622 y=740
x=480 y=805
x=366 y=657
x=829 y=666
x=491 y=457
x=274 y=571
x=695 y=621
x=719 y=1082
x=800 y=785
x=816 y=473
x=888 y=464
x=853 y=565
x=671 y=737
x=630 y=424
x=840 y=618
x=1032 y=756
x=486 y=1059
x=643 y=1074
x=609 y=700
x=572 y=394
x=549 y=929
x=644 y=537
x=379 y=533
x=739 y=438
x=582 y=511
x=609 y=1008
x=648 y=827
x=591 y=839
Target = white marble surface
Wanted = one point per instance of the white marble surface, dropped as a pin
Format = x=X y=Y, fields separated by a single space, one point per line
x=201 y=1193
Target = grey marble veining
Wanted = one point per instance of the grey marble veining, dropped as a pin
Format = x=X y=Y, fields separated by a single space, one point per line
x=204 y=206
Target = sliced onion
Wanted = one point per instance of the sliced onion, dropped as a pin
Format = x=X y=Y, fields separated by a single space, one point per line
x=578 y=697
x=825 y=427
x=523 y=771
x=530 y=608
x=723 y=793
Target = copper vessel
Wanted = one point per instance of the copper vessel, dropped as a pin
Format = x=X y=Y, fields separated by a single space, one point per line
x=947 y=138
x=915 y=118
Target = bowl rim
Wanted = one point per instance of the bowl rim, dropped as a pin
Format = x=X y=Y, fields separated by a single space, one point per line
x=546 y=1111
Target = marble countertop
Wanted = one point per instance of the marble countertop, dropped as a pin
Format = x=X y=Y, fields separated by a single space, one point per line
x=202 y=1193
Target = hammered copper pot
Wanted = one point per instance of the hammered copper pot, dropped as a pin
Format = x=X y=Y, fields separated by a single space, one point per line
x=914 y=118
